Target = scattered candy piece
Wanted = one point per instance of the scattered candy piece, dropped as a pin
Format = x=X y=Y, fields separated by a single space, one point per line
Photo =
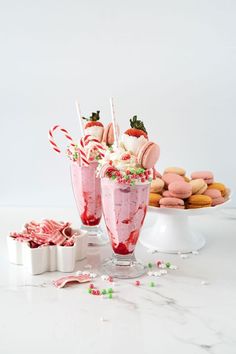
x=61 y=282
x=168 y=264
x=89 y=290
x=98 y=292
x=102 y=319
x=93 y=275
x=152 y=284
x=149 y=265
x=110 y=279
x=137 y=282
x=91 y=286
x=162 y=266
x=205 y=282
x=104 y=291
x=173 y=267
x=110 y=295
x=110 y=290
x=159 y=263
x=163 y=271
x=184 y=256
x=94 y=292
x=195 y=252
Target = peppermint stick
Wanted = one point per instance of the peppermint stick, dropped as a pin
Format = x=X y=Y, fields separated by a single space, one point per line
x=114 y=123
x=80 y=117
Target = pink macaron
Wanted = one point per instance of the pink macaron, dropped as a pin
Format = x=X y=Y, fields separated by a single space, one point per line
x=166 y=194
x=108 y=134
x=215 y=196
x=180 y=189
x=207 y=176
x=171 y=177
x=148 y=154
x=171 y=203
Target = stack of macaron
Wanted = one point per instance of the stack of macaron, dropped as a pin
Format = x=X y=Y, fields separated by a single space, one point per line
x=174 y=189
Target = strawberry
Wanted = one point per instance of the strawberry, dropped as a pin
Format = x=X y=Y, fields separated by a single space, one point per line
x=136 y=136
x=137 y=128
x=93 y=126
x=93 y=120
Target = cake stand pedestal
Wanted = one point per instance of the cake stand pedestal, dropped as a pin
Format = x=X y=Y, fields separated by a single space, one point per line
x=171 y=231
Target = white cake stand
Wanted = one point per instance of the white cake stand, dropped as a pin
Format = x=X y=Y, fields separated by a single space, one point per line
x=171 y=231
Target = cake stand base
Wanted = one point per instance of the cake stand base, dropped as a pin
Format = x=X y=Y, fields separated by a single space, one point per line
x=171 y=233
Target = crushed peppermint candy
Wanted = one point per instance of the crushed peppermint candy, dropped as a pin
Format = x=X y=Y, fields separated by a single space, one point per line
x=47 y=232
x=62 y=282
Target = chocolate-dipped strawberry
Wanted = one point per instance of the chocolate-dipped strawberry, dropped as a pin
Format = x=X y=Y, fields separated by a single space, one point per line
x=93 y=126
x=136 y=136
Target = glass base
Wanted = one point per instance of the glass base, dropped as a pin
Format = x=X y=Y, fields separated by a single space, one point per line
x=123 y=267
x=96 y=236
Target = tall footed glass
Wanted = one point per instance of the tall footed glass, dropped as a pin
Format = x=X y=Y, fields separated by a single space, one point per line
x=124 y=210
x=87 y=192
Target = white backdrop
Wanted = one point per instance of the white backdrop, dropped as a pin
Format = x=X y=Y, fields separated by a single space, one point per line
x=171 y=62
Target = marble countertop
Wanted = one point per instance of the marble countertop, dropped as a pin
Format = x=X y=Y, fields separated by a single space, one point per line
x=190 y=310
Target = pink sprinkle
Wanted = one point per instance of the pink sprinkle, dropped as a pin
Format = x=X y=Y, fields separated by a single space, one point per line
x=159 y=263
x=91 y=286
x=137 y=283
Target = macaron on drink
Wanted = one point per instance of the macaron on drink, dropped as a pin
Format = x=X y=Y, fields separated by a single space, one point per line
x=125 y=182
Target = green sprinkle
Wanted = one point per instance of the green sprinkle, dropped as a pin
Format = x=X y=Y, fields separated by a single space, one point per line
x=75 y=156
x=113 y=177
x=110 y=290
x=110 y=296
x=104 y=291
x=168 y=265
x=89 y=291
x=132 y=183
x=126 y=177
x=152 y=284
x=150 y=179
x=133 y=171
x=149 y=265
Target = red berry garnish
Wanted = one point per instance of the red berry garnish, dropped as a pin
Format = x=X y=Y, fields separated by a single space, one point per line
x=125 y=156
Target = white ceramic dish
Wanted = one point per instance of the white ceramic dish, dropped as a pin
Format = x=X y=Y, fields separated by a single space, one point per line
x=171 y=232
x=48 y=258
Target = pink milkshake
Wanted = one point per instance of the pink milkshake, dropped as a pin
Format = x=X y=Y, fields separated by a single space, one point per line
x=124 y=210
x=87 y=192
x=126 y=171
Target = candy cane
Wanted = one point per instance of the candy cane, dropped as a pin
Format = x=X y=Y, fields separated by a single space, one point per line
x=92 y=142
x=83 y=155
x=51 y=137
